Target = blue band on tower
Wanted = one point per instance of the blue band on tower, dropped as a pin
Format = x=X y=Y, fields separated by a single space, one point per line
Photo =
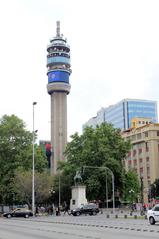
x=58 y=76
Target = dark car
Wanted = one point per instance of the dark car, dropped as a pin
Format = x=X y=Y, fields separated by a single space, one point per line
x=19 y=212
x=91 y=209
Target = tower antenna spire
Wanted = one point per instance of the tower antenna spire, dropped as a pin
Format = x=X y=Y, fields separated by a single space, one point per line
x=58 y=29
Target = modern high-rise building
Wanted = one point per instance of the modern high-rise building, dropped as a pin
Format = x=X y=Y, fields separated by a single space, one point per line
x=122 y=113
x=58 y=65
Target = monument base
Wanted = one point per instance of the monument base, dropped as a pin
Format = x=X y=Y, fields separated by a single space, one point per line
x=78 y=196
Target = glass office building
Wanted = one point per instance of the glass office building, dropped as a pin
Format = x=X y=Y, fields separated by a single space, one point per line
x=122 y=113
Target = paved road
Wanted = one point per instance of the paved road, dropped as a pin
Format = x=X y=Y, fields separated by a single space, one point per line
x=83 y=227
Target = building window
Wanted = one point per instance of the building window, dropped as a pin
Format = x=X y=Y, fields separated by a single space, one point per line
x=141 y=172
x=134 y=152
x=135 y=162
x=147 y=159
x=129 y=154
x=146 y=134
x=138 y=136
x=129 y=162
x=148 y=171
x=157 y=133
x=140 y=160
x=147 y=149
x=140 y=151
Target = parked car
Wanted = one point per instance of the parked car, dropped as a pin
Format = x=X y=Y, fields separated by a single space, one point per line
x=19 y=212
x=153 y=214
x=91 y=209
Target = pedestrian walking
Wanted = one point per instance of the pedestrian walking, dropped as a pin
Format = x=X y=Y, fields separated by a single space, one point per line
x=66 y=210
x=58 y=211
x=36 y=211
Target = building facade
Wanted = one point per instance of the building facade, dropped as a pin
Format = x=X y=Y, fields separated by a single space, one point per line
x=122 y=113
x=144 y=155
x=58 y=87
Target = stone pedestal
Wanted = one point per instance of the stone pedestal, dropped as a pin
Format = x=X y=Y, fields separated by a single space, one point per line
x=78 y=196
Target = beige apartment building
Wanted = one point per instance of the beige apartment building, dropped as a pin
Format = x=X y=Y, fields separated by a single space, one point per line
x=144 y=154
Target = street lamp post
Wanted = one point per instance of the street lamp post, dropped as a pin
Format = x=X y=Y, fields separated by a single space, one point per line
x=110 y=171
x=106 y=190
x=59 y=189
x=132 y=196
x=33 y=167
x=142 y=195
x=142 y=190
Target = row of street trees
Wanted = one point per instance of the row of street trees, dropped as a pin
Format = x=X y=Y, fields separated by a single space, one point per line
x=99 y=147
x=16 y=164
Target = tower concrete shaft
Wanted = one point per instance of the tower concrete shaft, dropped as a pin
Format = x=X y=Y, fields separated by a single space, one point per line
x=58 y=63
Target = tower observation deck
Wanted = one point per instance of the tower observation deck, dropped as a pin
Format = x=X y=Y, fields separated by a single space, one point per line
x=58 y=72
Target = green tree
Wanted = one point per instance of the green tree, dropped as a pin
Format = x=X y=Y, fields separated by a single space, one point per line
x=40 y=159
x=154 y=189
x=99 y=147
x=65 y=188
x=131 y=187
x=23 y=187
x=15 y=152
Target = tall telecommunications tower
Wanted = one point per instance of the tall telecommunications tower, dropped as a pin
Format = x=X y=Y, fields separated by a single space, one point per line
x=58 y=64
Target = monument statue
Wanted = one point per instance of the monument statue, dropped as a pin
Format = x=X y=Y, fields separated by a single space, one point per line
x=77 y=178
x=78 y=192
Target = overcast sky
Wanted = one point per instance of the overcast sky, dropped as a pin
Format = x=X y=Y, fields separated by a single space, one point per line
x=114 y=55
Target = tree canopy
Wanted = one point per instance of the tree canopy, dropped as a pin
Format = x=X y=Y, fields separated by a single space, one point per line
x=131 y=187
x=15 y=152
x=154 y=190
x=23 y=187
x=99 y=147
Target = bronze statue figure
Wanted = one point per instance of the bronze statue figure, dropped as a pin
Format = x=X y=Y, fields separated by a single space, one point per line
x=77 y=178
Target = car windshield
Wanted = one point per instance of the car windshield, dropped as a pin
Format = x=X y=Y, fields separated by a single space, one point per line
x=85 y=206
x=20 y=210
x=88 y=206
x=155 y=208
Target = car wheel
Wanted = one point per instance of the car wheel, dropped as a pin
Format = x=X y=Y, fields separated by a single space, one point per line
x=94 y=213
x=26 y=216
x=77 y=213
x=152 y=220
x=8 y=216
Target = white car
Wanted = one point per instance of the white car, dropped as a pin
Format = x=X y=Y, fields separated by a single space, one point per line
x=153 y=214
